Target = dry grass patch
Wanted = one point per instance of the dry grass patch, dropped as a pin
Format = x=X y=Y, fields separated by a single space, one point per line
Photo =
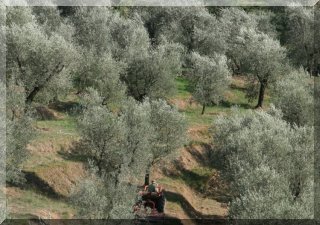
x=25 y=204
x=61 y=177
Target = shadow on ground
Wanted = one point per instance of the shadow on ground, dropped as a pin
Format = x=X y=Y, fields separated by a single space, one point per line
x=38 y=185
x=75 y=153
x=187 y=207
x=70 y=107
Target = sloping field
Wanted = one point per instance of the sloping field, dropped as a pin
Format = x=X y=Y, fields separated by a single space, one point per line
x=52 y=170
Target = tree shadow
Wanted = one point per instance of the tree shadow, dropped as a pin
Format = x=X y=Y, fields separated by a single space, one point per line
x=34 y=182
x=235 y=87
x=70 y=107
x=201 y=157
x=209 y=179
x=75 y=153
x=227 y=104
x=189 y=209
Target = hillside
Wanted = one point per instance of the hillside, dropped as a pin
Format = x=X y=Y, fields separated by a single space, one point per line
x=195 y=187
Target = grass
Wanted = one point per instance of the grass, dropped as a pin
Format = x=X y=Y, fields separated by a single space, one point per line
x=195 y=178
x=183 y=88
x=26 y=203
x=234 y=97
x=54 y=136
x=57 y=128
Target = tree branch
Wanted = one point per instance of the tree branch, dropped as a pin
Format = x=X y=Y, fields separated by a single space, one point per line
x=36 y=89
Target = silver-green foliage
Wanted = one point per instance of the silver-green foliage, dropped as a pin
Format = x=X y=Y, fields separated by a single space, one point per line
x=232 y=21
x=193 y=27
x=98 y=68
x=263 y=60
x=253 y=49
x=151 y=129
x=169 y=129
x=36 y=60
x=19 y=132
x=264 y=22
x=211 y=76
x=269 y=163
x=102 y=73
x=2 y=144
x=294 y=96
x=121 y=147
x=153 y=75
x=300 y=36
x=124 y=43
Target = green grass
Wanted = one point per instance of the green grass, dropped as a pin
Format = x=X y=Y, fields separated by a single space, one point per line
x=235 y=97
x=62 y=129
x=28 y=202
x=197 y=178
x=194 y=117
x=183 y=88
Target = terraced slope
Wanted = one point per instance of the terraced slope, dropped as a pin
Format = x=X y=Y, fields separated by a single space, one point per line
x=52 y=170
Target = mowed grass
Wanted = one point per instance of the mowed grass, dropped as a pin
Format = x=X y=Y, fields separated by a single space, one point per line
x=183 y=88
x=52 y=136
x=234 y=97
x=28 y=203
x=62 y=128
x=196 y=178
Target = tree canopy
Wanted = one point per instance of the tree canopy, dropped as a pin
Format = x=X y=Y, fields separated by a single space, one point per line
x=270 y=164
x=124 y=67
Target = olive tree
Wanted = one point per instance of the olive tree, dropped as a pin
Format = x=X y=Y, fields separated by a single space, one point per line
x=299 y=36
x=264 y=22
x=92 y=30
x=37 y=60
x=121 y=49
x=232 y=21
x=269 y=164
x=211 y=77
x=177 y=24
x=19 y=15
x=210 y=36
x=294 y=96
x=152 y=129
x=169 y=129
x=263 y=60
x=89 y=191
x=153 y=75
x=103 y=134
x=19 y=132
x=253 y=49
x=121 y=147
x=101 y=73
x=15 y=121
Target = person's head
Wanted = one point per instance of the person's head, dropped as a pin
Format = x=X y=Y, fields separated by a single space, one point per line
x=153 y=182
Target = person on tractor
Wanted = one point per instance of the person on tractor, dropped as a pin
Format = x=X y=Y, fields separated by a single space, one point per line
x=152 y=186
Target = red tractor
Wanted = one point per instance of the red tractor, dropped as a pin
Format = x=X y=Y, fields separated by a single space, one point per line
x=149 y=205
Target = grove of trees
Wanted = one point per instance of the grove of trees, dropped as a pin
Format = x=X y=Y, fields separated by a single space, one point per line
x=269 y=163
x=122 y=63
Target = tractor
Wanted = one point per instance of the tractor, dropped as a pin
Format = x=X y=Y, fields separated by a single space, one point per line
x=149 y=205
